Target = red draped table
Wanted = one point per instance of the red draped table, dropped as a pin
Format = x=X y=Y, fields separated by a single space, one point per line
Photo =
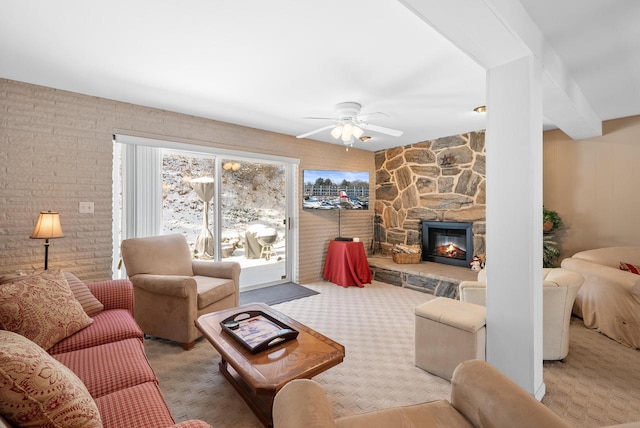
x=346 y=264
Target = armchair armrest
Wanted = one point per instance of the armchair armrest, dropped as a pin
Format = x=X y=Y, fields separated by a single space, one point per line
x=114 y=293
x=302 y=403
x=229 y=270
x=482 y=393
x=169 y=285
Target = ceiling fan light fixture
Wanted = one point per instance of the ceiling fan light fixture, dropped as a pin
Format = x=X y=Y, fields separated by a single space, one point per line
x=349 y=125
x=347 y=132
x=336 y=132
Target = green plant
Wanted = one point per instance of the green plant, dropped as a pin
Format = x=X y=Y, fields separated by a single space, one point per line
x=550 y=251
x=552 y=216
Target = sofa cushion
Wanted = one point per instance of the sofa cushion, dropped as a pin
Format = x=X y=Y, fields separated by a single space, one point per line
x=37 y=390
x=42 y=308
x=140 y=406
x=110 y=367
x=108 y=326
x=630 y=268
x=89 y=303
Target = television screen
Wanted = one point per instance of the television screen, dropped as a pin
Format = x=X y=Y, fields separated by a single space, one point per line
x=329 y=190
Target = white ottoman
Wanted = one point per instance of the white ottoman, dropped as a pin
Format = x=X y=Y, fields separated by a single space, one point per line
x=448 y=332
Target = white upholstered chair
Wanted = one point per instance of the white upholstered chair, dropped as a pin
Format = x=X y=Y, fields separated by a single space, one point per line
x=560 y=287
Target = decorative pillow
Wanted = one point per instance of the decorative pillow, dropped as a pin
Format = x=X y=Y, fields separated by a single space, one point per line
x=38 y=390
x=41 y=308
x=630 y=268
x=81 y=292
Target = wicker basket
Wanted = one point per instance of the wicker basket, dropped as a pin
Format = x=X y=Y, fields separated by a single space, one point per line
x=406 y=258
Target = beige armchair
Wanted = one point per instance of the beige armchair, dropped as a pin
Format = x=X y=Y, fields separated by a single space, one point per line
x=171 y=290
x=481 y=397
x=609 y=300
x=559 y=289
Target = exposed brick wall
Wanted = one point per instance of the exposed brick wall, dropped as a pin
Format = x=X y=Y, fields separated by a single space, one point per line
x=57 y=151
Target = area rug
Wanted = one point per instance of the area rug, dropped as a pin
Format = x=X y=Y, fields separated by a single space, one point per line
x=275 y=294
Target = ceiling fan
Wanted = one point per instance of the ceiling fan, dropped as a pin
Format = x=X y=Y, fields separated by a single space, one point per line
x=349 y=124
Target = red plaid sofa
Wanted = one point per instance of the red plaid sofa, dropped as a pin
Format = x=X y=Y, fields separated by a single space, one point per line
x=108 y=356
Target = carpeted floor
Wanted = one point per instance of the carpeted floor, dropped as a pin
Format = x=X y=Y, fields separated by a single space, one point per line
x=596 y=385
x=275 y=294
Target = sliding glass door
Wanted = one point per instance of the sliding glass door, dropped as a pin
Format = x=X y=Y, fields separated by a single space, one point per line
x=253 y=213
x=228 y=207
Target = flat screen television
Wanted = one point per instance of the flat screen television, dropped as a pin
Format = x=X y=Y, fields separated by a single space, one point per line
x=332 y=190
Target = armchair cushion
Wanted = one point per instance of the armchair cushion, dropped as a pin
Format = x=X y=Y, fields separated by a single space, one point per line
x=46 y=316
x=211 y=290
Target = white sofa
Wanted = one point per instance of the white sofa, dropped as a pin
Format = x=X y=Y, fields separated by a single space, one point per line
x=560 y=287
x=609 y=300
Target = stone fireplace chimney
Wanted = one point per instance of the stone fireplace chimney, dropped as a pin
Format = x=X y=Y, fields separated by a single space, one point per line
x=437 y=180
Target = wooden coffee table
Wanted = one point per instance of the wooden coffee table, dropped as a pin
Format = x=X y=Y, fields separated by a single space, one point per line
x=258 y=377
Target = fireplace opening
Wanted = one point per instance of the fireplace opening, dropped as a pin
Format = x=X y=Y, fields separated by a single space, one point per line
x=447 y=242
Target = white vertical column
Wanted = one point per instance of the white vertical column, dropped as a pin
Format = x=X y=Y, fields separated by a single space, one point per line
x=514 y=222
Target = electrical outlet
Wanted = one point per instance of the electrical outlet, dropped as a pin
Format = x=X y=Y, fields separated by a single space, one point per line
x=86 y=207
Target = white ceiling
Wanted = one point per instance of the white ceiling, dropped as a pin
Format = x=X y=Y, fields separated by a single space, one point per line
x=268 y=65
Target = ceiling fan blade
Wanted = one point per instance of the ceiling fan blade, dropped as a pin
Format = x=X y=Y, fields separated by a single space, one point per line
x=383 y=130
x=367 y=116
x=306 y=134
x=319 y=118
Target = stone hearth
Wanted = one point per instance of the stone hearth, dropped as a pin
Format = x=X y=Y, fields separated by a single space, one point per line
x=432 y=278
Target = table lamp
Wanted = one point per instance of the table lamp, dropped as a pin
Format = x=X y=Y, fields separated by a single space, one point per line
x=47 y=227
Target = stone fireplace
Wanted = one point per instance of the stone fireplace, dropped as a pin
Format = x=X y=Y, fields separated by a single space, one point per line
x=440 y=180
x=447 y=242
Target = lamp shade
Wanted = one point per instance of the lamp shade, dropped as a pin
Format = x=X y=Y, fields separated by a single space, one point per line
x=47 y=226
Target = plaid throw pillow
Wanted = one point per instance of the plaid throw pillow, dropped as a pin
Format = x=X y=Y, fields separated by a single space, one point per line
x=630 y=268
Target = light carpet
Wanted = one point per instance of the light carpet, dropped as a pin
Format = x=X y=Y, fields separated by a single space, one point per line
x=595 y=386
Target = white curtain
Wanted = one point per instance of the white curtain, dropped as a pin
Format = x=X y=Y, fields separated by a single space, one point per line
x=137 y=201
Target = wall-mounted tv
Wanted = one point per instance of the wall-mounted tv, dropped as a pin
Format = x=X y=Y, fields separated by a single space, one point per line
x=332 y=190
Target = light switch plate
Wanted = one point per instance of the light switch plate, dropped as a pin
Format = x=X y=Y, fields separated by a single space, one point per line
x=86 y=207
